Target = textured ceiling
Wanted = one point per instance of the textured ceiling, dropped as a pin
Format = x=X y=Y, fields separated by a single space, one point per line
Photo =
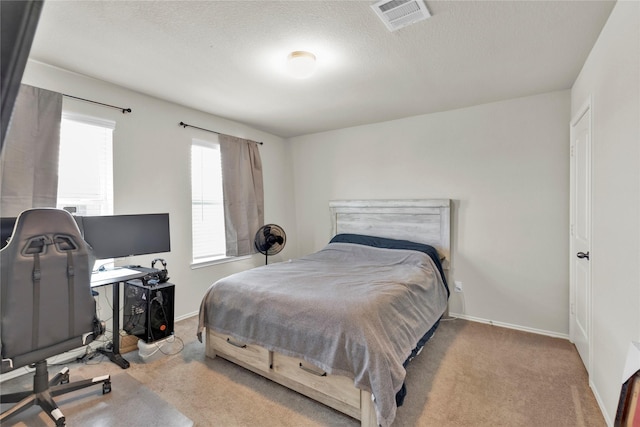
x=225 y=57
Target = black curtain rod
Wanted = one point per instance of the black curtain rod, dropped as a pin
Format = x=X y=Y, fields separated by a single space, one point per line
x=184 y=125
x=124 y=110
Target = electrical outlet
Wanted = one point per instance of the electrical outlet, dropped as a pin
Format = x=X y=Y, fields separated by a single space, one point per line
x=458 y=286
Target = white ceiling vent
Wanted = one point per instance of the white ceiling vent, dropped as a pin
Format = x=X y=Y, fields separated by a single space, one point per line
x=399 y=13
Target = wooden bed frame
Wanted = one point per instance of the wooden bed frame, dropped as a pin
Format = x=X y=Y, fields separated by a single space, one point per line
x=422 y=221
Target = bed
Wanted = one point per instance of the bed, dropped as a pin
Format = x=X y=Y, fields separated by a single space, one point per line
x=339 y=325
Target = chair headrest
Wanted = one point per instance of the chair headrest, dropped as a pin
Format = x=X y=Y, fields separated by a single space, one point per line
x=39 y=221
x=47 y=232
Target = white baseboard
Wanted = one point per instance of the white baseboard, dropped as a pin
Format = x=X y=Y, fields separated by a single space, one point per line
x=607 y=418
x=70 y=355
x=60 y=359
x=186 y=316
x=14 y=374
x=510 y=326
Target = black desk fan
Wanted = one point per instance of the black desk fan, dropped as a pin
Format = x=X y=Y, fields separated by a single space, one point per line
x=269 y=240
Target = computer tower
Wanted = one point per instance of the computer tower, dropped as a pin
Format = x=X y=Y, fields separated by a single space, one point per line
x=148 y=310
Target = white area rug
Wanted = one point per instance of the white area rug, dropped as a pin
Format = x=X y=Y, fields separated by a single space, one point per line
x=130 y=403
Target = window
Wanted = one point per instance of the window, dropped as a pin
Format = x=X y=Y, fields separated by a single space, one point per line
x=207 y=209
x=85 y=166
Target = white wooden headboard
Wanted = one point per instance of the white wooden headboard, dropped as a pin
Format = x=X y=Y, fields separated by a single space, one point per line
x=423 y=221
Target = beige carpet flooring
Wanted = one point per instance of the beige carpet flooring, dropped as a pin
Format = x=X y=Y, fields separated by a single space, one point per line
x=469 y=374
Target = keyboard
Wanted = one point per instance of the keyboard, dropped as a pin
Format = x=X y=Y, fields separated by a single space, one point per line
x=116 y=274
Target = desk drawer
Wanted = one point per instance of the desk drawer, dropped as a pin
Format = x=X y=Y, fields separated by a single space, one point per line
x=224 y=345
x=337 y=387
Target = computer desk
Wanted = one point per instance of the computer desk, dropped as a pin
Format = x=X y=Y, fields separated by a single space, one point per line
x=115 y=277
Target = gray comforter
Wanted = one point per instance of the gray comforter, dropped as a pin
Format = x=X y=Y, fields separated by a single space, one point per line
x=349 y=309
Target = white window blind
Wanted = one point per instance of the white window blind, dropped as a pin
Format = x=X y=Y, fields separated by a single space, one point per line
x=207 y=207
x=85 y=166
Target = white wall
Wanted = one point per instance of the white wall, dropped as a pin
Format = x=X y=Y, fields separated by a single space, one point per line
x=505 y=165
x=611 y=76
x=152 y=170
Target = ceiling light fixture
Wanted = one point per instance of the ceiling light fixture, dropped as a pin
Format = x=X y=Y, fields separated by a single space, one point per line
x=301 y=64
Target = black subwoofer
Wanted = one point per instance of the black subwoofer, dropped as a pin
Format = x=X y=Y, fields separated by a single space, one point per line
x=148 y=310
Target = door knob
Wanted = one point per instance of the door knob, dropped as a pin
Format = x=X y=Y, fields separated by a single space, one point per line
x=583 y=255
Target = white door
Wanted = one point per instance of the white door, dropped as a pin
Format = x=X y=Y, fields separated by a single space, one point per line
x=580 y=273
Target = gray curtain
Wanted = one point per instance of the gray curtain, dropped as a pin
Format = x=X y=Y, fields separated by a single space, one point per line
x=29 y=160
x=243 y=193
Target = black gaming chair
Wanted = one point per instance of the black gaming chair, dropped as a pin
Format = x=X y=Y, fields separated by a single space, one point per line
x=46 y=306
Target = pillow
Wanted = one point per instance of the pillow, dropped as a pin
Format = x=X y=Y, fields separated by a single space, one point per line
x=383 y=242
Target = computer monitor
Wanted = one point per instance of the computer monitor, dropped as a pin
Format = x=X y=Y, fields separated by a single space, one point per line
x=116 y=236
x=6 y=229
x=7 y=224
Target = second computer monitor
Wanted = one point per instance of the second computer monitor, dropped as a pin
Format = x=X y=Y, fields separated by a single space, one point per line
x=116 y=236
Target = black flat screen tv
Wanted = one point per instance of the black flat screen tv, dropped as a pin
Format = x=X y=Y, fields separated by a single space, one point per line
x=7 y=224
x=117 y=236
x=6 y=229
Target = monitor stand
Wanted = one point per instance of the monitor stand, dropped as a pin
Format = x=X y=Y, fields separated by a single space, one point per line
x=113 y=353
x=114 y=357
